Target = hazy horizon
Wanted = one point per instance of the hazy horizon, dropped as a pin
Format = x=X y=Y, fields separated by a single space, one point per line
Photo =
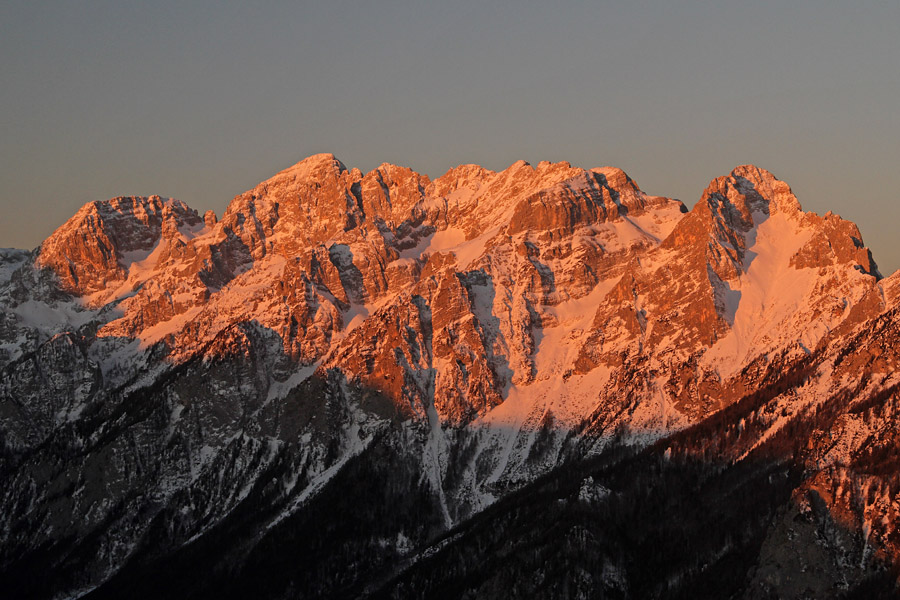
x=201 y=102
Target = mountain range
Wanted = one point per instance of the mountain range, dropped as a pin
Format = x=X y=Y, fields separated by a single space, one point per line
x=539 y=382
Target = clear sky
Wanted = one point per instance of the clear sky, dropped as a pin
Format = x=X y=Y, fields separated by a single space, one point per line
x=202 y=100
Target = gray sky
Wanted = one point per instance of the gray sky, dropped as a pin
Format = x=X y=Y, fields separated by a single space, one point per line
x=202 y=100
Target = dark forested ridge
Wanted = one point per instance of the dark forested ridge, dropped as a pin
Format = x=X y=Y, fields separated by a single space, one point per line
x=693 y=516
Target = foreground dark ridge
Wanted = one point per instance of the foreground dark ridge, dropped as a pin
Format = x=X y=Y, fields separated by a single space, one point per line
x=521 y=383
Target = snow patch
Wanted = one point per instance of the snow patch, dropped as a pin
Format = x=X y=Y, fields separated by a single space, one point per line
x=37 y=314
x=451 y=240
x=280 y=389
x=766 y=295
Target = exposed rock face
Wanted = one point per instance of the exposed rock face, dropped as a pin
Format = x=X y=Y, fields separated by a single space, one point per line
x=169 y=378
x=103 y=241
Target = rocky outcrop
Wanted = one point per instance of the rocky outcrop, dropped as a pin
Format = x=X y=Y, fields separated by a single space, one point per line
x=99 y=246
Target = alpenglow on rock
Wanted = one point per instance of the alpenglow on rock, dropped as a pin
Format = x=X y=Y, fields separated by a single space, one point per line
x=339 y=386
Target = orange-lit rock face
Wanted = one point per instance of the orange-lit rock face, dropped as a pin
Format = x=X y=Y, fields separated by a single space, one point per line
x=97 y=247
x=729 y=284
x=836 y=241
x=558 y=286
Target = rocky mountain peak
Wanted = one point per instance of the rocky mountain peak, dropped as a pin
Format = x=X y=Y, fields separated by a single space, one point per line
x=305 y=204
x=744 y=272
x=616 y=178
x=732 y=207
x=586 y=197
x=468 y=177
x=97 y=246
x=389 y=193
x=722 y=224
x=317 y=166
x=747 y=189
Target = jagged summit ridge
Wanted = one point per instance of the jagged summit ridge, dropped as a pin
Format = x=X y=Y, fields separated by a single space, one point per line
x=550 y=270
x=511 y=279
